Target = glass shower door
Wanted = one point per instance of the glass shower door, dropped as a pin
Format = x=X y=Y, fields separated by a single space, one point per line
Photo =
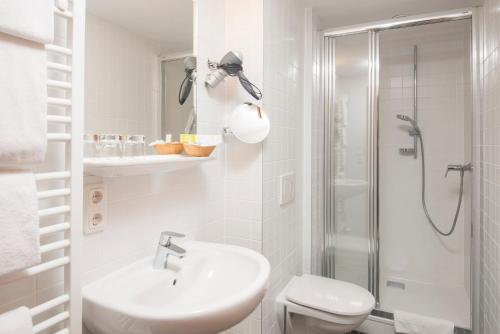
x=346 y=241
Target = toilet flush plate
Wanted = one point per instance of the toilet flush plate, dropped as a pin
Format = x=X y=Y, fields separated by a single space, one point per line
x=287 y=188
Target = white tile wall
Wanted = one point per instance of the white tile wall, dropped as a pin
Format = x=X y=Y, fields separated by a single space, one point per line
x=243 y=165
x=243 y=209
x=209 y=45
x=283 y=72
x=122 y=79
x=241 y=192
x=311 y=80
x=489 y=118
x=243 y=162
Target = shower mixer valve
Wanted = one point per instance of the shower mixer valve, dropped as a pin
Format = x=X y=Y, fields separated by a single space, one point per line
x=458 y=168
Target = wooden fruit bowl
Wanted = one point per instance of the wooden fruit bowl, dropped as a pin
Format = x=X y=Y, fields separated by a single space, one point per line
x=198 y=150
x=169 y=148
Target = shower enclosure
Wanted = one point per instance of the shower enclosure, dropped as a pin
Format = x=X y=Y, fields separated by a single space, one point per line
x=388 y=91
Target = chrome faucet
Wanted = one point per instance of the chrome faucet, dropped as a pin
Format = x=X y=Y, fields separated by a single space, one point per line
x=167 y=248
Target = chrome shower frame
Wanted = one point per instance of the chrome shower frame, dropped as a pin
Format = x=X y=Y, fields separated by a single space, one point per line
x=328 y=90
x=328 y=85
x=373 y=226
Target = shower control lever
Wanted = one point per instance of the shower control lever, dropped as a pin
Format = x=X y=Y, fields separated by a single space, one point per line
x=458 y=168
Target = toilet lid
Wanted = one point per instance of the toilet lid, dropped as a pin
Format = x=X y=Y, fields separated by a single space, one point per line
x=330 y=295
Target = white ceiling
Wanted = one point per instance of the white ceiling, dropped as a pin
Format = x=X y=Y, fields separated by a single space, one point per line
x=337 y=13
x=167 y=22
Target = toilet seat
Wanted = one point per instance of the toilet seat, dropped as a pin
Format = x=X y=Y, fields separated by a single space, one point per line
x=330 y=295
x=317 y=305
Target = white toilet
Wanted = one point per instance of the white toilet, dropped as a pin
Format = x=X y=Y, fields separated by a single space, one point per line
x=317 y=305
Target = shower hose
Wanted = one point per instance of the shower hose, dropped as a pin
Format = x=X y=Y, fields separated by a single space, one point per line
x=424 y=205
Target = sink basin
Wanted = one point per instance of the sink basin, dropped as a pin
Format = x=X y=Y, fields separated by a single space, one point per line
x=345 y=188
x=211 y=289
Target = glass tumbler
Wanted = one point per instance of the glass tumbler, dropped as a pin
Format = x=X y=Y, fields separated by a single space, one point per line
x=90 y=145
x=134 y=145
x=109 y=145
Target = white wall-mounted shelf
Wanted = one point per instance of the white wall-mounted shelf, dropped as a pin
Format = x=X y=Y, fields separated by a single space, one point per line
x=149 y=164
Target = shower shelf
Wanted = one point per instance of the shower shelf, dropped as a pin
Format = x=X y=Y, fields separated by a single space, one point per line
x=149 y=164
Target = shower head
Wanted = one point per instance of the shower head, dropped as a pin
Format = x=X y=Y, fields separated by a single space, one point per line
x=410 y=120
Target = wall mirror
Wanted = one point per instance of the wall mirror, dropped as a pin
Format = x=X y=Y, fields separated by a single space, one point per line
x=138 y=54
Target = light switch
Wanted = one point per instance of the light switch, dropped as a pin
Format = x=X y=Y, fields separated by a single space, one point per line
x=287 y=188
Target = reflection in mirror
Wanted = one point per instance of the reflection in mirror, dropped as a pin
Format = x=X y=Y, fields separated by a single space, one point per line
x=177 y=108
x=134 y=69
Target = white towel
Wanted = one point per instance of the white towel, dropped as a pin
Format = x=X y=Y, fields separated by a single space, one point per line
x=23 y=101
x=28 y=19
x=19 y=224
x=17 y=321
x=410 y=323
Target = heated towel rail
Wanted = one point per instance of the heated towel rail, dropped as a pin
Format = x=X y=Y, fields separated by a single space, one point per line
x=55 y=301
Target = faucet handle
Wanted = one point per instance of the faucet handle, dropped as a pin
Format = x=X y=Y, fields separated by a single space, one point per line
x=453 y=168
x=172 y=234
x=166 y=236
x=177 y=250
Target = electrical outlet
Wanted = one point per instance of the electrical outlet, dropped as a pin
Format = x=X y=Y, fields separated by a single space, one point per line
x=95 y=208
x=287 y=188
x=95 y=222
x=95 y=196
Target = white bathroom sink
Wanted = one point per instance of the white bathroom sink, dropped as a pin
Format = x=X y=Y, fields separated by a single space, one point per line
x=345 y=188
x=211 y=289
